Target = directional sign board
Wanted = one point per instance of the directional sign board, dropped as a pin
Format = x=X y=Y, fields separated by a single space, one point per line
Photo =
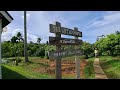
x=63 y=54
x=64 y=41
x=63 y=30
x=58 y=41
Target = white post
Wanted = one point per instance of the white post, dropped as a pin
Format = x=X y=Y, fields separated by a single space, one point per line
x=0 y=47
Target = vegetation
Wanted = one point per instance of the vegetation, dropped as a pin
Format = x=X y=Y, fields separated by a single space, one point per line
x=109 y=51
x=89 y=69
x=110 y=45
x=14 y=47
x=88 y=50
x=25 y=70
x=111 y=66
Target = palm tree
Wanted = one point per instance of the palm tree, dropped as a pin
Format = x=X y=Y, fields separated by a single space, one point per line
x=38 y=40
x=14 y=39
x=117 y=32
x=25 y=38
x=19 y=36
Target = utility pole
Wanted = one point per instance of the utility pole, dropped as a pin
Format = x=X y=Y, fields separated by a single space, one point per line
x=25 y=38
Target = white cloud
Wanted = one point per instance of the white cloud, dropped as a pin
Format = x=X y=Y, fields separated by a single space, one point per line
x=109 y=18
x=91 y=27
x=106 y=24
x=12 y=32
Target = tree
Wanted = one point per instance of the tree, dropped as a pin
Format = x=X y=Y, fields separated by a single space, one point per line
x=38 y=40
x=14 y=39
x=31 y=42
x=19 y=36
x=47 y=42
x=88 y=49
x=109 y=45
x=25 y=38
x=117 y=32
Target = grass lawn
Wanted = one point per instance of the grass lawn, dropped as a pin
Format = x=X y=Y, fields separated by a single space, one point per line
x=25 y=70
x=111 y=66
x=36 y=70
x=89 y=69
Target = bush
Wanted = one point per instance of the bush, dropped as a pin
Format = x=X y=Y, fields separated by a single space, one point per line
x=17 y=60
x=91 y=55
x=84 y=57
x=106 y=53
x=40 y=52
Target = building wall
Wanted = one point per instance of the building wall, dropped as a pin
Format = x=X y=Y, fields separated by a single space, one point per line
x=0 y=48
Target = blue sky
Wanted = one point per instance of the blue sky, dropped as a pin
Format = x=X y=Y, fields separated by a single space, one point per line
x=91 y=23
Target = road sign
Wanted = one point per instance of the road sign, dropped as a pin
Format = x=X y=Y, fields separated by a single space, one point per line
x=64 y=41
x=65 y=53
x=58 y=41
x=65 y=31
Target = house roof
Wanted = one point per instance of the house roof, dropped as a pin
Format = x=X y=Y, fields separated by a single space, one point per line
x=6 y=18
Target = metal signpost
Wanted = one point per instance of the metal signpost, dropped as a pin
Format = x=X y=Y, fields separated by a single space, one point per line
x=58 y=41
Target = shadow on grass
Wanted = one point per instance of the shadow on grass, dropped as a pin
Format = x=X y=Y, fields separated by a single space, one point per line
x=108 y=65
x=9 y=74
x=112 y=75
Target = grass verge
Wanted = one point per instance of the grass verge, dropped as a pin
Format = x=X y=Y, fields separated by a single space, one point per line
x=111 y=66
x=89 y=69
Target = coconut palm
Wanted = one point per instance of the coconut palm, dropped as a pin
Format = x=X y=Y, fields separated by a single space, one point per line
x=19 y=36
x=38 y=40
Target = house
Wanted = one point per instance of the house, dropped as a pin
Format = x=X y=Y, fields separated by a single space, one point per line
x=5 y=19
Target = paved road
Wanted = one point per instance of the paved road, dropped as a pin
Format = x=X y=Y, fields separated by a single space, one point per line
x=99 y=74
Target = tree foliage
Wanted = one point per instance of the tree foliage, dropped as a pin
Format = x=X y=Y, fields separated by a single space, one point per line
x=110 y=45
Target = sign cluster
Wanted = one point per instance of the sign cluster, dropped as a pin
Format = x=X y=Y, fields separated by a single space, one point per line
x=58 y=41
x=64 y=41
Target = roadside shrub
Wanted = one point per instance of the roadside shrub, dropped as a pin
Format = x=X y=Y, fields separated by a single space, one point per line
x=106 y=53
x=91 y=55
x=17 y=60
x=84 y=57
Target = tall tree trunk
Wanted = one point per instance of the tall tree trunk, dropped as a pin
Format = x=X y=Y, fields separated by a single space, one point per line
x=25 y=38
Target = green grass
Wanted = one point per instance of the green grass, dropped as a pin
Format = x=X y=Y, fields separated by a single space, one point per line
x=68 y=77
x=18 y=72
x=30 y=58
x=25 y=70
x=89 y=69
x=111 y=66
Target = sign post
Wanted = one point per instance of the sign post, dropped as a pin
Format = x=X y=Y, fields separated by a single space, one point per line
x=77 y=60
x=58 y=60
x=58 y=41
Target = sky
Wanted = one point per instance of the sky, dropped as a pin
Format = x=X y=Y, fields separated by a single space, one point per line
x=90 y=23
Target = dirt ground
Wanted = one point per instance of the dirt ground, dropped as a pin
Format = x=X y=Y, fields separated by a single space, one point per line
x=68 y=67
